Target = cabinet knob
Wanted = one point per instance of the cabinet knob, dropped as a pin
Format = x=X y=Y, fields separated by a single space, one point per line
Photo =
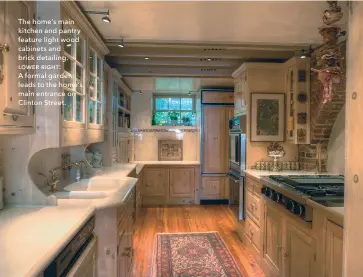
x=4 y=47
x=286 y=255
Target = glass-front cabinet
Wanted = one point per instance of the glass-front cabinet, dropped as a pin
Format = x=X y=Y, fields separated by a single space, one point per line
x=74 y=73
x=95 y=89
x=83 y=79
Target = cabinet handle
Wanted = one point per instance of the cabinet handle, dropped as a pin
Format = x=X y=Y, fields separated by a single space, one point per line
x=128 y=248
x=286 y=255
x=127 y=254
x=3 y=48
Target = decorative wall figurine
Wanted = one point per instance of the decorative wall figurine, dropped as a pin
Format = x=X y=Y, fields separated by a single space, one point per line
x=331 y=72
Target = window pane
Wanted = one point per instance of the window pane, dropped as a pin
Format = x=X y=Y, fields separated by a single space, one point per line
x=99 y=89
x=79 y=108
x=187 y=104
x=174 y=103
x=100 y=68
x=92 y=62
x=79 y=50
x=91 y=112
x=92 y=83
x=67 y=73
x=162 y=104
x=187 y=118
x=68 y=107
x=161 y=118
x=79 y=75
x=98 y=113
x=67 y=44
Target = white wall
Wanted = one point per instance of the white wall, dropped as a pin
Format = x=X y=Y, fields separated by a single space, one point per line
x=336 y=146
x=146 y=141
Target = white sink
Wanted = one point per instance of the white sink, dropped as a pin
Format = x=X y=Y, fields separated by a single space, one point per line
x=87 y=185
x=81 y=195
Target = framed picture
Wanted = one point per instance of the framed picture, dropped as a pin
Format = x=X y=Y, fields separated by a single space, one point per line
x=267 y=112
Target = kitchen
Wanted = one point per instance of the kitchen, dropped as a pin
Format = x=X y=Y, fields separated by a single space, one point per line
x=175 y=141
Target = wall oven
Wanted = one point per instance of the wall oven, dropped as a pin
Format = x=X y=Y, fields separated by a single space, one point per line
x=237 y=163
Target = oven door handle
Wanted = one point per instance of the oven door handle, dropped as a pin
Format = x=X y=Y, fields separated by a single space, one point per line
x=234 y=179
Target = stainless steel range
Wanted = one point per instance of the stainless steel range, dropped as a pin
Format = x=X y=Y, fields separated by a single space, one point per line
x=293 y=191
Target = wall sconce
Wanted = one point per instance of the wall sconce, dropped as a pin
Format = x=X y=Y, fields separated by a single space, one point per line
x=106 y=18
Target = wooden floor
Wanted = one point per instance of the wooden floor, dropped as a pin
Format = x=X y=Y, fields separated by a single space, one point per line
x=188 y=219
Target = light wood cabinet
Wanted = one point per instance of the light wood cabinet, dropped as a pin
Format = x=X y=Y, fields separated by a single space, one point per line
x=155 y=182
x=333 y=250
x=214 y=187
x=272 y=240
x=16 y=115
x=169 y=185
x=299 y=253
x=215 y=139
x=240 y=79
x=253 y=235
x=253 y=206
x=181 y=183
x=217 y=97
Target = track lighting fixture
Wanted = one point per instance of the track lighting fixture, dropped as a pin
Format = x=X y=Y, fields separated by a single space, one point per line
x=306 y=53
x=121 y=43
x=106 y=18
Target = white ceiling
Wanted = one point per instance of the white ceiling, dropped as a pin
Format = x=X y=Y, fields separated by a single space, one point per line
x=267 y=22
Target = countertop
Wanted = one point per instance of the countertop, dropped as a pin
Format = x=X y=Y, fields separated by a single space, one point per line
x=31 y=237
x=167 y=162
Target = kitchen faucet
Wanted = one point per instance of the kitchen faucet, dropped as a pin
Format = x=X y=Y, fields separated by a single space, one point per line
x=54 y=181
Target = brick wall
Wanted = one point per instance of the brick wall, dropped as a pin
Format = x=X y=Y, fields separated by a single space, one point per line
x=323 y=116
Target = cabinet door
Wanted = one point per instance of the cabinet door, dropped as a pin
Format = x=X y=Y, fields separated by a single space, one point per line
x=333 y=250
x=272 y=239
x=299 y=253
x=213 y=187
x=14 y=110
x=181 y=183
x=155 y=181
x=122 y=255
x=214 y=139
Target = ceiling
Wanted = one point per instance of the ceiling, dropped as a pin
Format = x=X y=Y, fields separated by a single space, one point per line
x=204 y=39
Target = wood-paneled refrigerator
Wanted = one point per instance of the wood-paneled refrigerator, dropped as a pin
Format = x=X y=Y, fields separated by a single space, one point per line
x=217 y=108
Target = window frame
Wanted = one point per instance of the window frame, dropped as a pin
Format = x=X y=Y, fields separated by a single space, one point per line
x=156 y=96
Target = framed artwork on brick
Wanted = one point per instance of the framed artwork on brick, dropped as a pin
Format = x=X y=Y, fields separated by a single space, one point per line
x=267 y=117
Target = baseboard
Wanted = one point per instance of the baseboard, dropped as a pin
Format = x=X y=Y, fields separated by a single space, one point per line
x=214 y=202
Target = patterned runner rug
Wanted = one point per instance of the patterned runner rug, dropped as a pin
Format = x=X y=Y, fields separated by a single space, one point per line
x=194 y=255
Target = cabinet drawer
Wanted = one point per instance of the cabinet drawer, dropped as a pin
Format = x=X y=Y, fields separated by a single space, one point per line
x=253 y=186
x=253 y=234
x=253 y=206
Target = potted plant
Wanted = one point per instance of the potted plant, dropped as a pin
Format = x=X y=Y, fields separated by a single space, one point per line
x=186 y=120
x=173 y=117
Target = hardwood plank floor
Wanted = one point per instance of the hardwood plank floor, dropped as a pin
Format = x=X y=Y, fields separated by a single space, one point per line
x=188 y=219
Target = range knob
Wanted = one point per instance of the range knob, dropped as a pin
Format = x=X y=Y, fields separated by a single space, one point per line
x=290 y=205
x=269 y=193
x=276 y=196
x=299 y=209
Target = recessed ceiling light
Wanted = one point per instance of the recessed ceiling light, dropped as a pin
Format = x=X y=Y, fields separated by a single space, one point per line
x=69 y=45
x=189 y=93
x=209 y=59
x=140 y=92
x=146 y=58
x=106 y=19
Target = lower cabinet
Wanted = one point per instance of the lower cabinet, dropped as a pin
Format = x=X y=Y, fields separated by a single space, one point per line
x=288 y=249
x=168 y=185
x=333 y=250
x=272 y=240
x=299 y=253
x=214 y=187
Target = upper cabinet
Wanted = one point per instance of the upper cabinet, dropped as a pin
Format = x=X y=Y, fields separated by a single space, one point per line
x=298 y=100
x=83 y=113
x=16 y=115
x=240 y=80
